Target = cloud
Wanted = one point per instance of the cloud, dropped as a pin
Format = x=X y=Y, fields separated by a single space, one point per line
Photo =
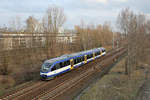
x=96 y=11
x=100 y=1
x=94 y=1
x=105 y=1
x=123 y=1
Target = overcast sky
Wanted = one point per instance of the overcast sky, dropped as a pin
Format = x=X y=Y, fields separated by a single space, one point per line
x=91 y=11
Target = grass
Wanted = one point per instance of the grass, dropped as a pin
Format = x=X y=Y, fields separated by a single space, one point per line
x=116 y=85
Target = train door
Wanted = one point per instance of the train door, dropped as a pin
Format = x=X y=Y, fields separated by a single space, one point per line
x=71 y=63
x=85 y=59
x=93 y=55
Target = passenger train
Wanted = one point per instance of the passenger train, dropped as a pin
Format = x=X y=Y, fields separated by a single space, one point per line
x=65 y=63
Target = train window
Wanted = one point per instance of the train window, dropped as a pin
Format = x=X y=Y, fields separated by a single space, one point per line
x=88 y=56
x=98 y=53
x=79 y=59
x=65 y=63
x=82 y=58
x=68 y=62
x=61 y=64
x=91 y=55
x=57 y=65
x=75 y=61
x=54 y=68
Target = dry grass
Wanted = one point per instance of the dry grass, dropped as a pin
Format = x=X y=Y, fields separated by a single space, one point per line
x=116 y=85
x=5 y=83
x=108 y=47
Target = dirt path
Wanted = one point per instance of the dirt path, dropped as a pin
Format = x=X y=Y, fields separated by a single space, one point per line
x=144 y=92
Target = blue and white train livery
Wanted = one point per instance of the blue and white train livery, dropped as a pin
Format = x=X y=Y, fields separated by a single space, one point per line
x=65 y=63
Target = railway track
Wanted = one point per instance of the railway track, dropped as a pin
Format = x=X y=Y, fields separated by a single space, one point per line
x=51 y=93
x=46 y=90
x=62 y=88
x=58 y=92
x=21 y=90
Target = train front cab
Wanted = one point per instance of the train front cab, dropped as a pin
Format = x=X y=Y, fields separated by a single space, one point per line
x=103 y=52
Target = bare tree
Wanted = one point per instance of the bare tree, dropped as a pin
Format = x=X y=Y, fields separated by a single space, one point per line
x=127 y=24
x=91 y=36
x=134 y=27
x=32 y=24
x=15 y=24
x=52 y=21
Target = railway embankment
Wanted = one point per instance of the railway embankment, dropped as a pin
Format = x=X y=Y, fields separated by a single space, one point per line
x=118 y=86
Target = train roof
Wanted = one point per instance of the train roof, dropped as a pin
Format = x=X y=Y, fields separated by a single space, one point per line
x=55 y=59
x=71 y=55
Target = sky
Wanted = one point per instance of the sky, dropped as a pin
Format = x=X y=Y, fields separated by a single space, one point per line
x=90 y=11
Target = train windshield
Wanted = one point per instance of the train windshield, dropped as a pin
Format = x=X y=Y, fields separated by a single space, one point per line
x=46 y=67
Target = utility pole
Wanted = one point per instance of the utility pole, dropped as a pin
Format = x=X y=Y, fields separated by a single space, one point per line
x=117 y=43
x=113 y=41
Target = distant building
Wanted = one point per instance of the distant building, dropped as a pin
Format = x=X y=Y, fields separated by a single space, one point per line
x=65 y=36
x=61 y=30
x=25 y=40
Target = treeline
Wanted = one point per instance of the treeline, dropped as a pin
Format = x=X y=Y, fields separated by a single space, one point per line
x=136 y=29
x=91 y=36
